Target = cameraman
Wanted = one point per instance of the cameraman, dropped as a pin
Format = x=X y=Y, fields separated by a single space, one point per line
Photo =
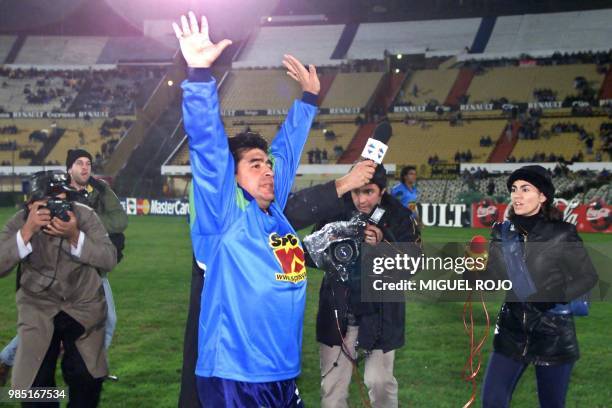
x=377 y=328
x=59 y=246
x=99 y=196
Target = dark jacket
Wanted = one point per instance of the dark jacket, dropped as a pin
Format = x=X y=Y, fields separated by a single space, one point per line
x=561 y=271
x=381 y=325
x=312 y=205
x=99 y=196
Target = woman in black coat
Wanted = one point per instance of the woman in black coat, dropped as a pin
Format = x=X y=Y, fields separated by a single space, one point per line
x=549 y=267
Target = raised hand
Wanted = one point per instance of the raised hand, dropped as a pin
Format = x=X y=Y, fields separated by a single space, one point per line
x=307 y=78
x=197 y=49
x=359 y=176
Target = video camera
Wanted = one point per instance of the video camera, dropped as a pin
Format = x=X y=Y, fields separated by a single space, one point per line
x=50 y=184
x=335 y=248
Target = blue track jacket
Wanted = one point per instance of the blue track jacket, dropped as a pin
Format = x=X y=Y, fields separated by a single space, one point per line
x=252 y=304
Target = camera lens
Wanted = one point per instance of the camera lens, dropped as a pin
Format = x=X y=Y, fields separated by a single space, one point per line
x=344 y=252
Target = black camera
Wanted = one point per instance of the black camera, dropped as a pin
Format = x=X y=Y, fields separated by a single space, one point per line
x=59 y=208
x=48 y=183
x=340 y=257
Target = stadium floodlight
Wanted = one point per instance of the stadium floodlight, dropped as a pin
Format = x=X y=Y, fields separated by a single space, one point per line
x=269 y=19
x=170 y=82
x=399 y=56
x=397 y=70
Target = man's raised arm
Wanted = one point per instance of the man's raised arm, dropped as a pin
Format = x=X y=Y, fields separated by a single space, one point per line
x=212 y=165
x=288 y=144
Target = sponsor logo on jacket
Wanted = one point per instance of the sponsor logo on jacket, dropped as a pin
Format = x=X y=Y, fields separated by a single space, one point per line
x=290 y=256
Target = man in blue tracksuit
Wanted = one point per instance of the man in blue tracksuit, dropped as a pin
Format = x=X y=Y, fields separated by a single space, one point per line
x=406 y=191
x=252 y=303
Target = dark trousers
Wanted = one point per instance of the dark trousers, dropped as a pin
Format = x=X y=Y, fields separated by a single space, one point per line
x=83 y=389
x=503 y=373
x=219 y=392
x=188 y=397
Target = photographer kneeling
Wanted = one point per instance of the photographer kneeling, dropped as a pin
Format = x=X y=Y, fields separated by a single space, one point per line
x=344 y=323
x=59 y=246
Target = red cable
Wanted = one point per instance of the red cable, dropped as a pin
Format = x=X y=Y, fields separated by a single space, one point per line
x=475 y=351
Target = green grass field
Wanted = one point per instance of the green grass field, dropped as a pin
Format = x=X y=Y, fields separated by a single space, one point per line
x=151 y=289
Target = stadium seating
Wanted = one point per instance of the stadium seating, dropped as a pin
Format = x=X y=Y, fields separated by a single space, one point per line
x=342 y=126
x=92 y=140
x=13 y=98
x=344 y=132
x=55 y=51
x=22 y=139
x=547 y=33
x=517 y=84
x=566 y=144
x=138 y=49
x=352 y=90
x=258 y=89
x=6 y=43
x=274 y=90
x=413 y=144
x=311 y=45
x=444 y=37
x=432 y=84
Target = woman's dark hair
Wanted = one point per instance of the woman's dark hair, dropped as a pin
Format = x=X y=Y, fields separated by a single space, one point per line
x=245 y=141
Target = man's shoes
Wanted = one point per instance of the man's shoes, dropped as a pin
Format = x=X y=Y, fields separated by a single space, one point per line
x=112 y=378
x=5 y=372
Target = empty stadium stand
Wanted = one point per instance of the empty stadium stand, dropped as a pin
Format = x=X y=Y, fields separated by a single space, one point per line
x=517 y=84
x=544 y=34
x=258 y=89
x=438 y=37
x=138 y=49
x=413 y=144
x=431 y=84
x=352 y=90
x=311 y=45
x=39 y=50
x=6 y=44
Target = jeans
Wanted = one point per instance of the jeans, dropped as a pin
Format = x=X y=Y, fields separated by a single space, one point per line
x=503 y=373
x=111 y=314
x=7 y=355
